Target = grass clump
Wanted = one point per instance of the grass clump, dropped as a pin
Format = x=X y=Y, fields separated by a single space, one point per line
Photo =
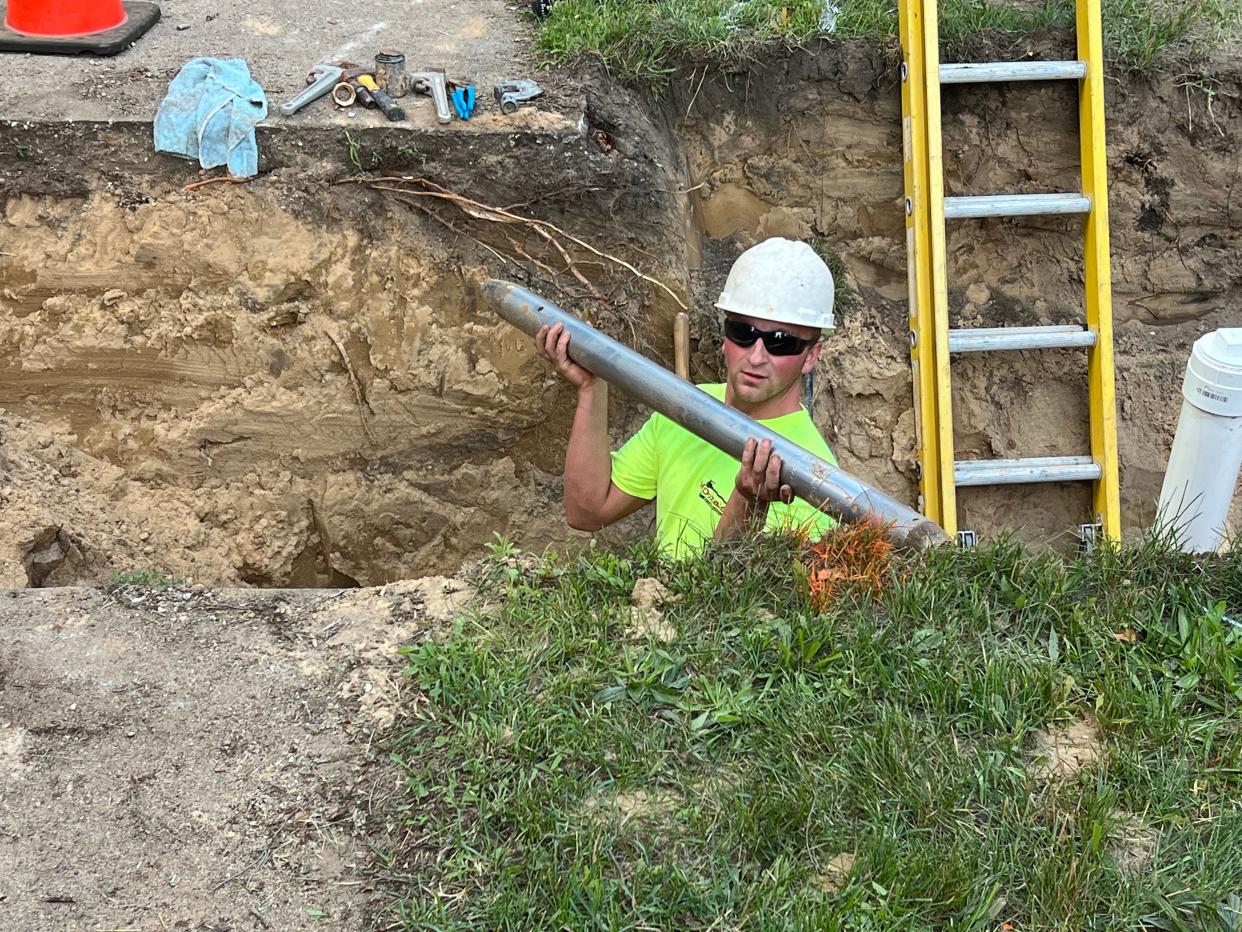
x=645 y=39
x=846 y=300
x=870 y=765
x=650 y=39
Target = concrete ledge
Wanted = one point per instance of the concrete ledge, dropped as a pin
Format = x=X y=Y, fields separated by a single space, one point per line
x=482 y=41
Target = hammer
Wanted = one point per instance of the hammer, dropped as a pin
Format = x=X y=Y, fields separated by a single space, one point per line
x=356 y=83
x=382 y=100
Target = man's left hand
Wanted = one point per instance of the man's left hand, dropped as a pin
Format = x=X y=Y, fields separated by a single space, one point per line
x=759 y=479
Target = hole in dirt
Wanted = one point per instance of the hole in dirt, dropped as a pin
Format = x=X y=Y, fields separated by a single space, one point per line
x=51 y=554
x=294 y=382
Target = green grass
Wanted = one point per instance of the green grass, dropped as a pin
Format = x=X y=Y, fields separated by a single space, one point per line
x=563 y=774
x=650 y=39
x=846 y=301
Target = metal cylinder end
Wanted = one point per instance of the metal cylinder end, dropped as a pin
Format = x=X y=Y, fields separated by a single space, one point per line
x=344 y=94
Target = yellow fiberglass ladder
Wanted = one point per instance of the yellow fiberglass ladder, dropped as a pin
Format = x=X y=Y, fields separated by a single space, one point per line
x=932 y=342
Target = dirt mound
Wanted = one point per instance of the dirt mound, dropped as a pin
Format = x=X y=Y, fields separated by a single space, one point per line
x=201 y=758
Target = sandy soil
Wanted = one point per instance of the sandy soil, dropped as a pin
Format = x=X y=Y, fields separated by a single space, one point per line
x=202 y=759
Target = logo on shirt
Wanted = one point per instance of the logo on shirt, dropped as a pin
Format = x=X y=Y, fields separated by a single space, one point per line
x=715 y=501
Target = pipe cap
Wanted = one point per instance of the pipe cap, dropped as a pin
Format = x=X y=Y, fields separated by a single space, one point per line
x=1213 y=380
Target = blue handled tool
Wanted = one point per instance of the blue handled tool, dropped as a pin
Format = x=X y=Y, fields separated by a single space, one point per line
x=463 y=100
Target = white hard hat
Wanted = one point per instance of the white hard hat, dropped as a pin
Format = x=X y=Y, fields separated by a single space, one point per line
x=781 y=280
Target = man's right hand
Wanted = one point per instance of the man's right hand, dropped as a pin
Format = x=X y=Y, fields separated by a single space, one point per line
x=552 y=343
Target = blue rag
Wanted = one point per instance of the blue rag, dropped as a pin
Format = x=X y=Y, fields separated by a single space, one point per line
x=209 y=113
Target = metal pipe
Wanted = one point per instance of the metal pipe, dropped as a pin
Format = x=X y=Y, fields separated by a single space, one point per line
x=824 y=486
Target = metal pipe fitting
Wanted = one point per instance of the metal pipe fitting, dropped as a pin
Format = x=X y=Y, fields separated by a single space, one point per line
x=344 y=94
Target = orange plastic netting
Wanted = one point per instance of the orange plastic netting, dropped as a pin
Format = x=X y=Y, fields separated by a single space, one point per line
x=849 y=558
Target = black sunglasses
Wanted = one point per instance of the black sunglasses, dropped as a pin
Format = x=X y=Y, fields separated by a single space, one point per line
x=776 y=342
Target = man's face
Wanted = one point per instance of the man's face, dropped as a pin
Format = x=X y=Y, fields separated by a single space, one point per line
x=755 y=376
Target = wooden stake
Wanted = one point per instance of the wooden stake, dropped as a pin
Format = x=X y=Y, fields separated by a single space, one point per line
x=681 y=344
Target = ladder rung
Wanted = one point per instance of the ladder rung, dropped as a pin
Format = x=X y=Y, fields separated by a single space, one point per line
x=1016 y=205
x=999 y=339
x=983 y=72
x=1034 y=469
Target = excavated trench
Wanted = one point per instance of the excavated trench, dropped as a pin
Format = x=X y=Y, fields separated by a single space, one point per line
x=293 y=382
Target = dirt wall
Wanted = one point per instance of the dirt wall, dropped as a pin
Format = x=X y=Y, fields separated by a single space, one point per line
x=290 y=382
x=810 y=146
x=293 y=382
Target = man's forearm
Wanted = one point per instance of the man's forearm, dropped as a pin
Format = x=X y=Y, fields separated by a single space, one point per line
x=588 y=463
x=739 y=514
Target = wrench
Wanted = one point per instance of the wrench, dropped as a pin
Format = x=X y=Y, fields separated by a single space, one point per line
x=433 y=83
x=325 y=77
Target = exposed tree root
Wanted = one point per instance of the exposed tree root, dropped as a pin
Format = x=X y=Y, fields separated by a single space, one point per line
x=410 y=187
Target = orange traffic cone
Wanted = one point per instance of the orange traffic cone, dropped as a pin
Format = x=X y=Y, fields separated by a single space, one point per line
x=104 y=27
x=63 y=17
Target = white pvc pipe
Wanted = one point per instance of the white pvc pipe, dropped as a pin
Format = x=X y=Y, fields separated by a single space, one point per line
x=1207 y=449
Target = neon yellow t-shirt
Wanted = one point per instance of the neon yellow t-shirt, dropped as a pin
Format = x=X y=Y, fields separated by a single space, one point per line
x=691 y=480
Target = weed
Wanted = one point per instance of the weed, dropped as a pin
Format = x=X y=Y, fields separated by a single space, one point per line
x=355 y=151
x=389 y=155
x=149 y=579
x=845 y=299
x=408 y=155
x=863 y=763
x=1208 y=90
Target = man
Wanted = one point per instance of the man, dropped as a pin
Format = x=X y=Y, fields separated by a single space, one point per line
x=777 y=301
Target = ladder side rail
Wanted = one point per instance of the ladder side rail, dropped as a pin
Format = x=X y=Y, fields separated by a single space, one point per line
x=918 y=249
x=939 y=267
x=1097 y=273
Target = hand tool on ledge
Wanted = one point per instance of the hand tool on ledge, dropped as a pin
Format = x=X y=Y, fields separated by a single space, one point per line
x=360 y=95
x=432 y=82
x=348 y=91
x=510 y=95
x=382 y=100
x=463 y=96
x=321 y=80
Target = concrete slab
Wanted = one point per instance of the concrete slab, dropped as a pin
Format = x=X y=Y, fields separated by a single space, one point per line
x=484 y=41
